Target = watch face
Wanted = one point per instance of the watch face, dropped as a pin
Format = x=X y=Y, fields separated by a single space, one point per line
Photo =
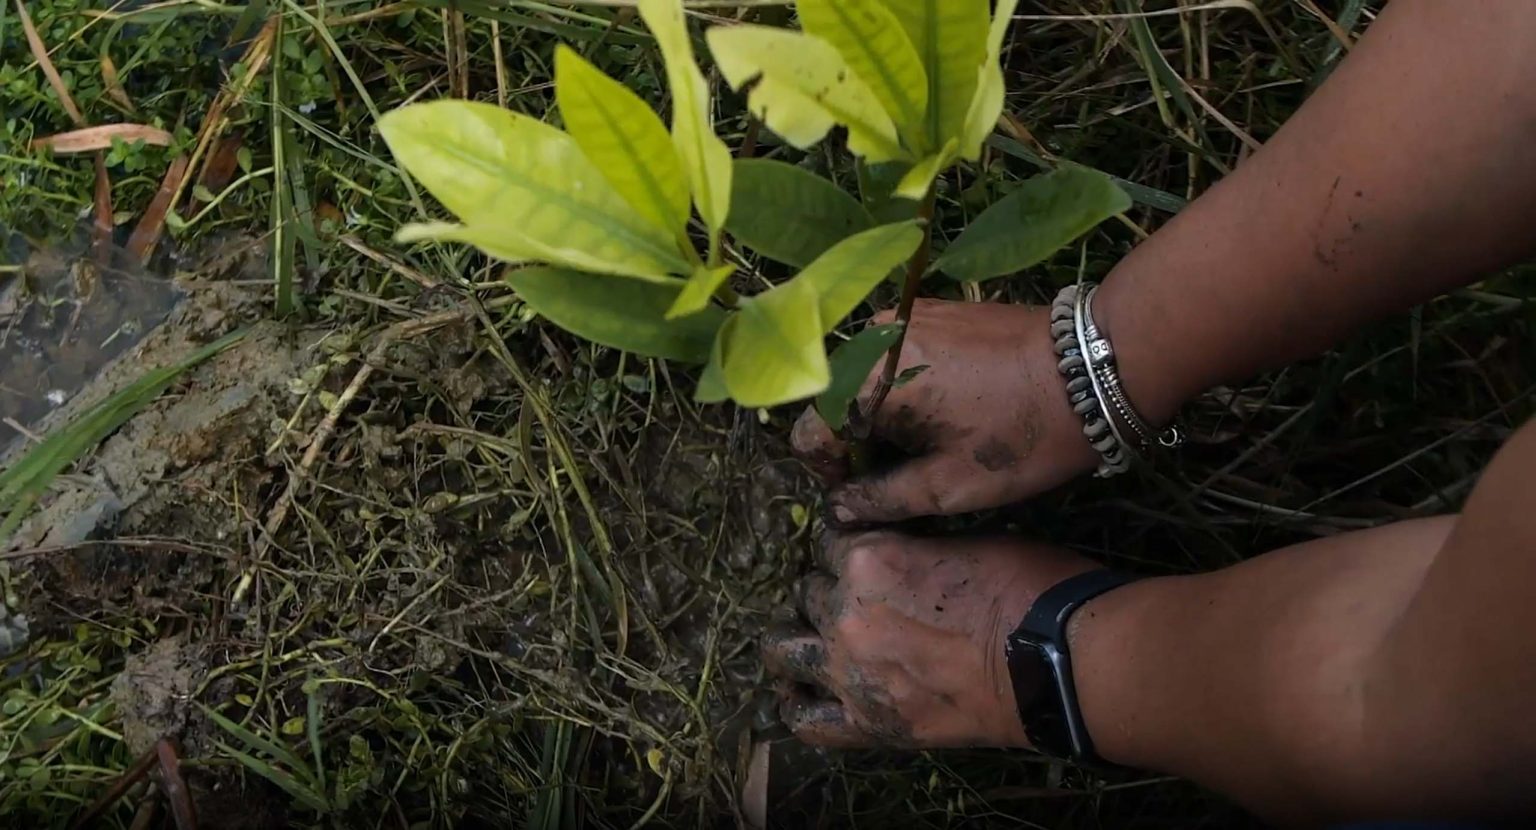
x=1040 y=703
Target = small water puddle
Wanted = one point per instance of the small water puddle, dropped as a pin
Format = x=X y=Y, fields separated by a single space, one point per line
x=65 y=313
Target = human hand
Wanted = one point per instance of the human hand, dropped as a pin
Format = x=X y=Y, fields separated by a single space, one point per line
x=985 y=424
x=900 y=641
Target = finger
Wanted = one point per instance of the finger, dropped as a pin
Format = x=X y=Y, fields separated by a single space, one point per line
x=821 y=450
x=818 y=721
x=835 y=545
x=832 y=550
x=795 y=652
x=815 y=596
x=931 y=485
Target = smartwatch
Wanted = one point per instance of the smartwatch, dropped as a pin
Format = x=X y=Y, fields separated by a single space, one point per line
x=1040 y=667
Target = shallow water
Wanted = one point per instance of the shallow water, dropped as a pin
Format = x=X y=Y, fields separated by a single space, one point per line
x=65 y=313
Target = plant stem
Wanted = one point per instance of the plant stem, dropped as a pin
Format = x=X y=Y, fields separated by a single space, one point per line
x=916 y=267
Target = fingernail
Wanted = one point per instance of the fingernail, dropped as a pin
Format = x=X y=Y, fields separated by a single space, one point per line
x=843 y=514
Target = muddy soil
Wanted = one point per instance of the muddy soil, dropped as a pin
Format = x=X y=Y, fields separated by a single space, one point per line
x=171 y=472
x=437 y=558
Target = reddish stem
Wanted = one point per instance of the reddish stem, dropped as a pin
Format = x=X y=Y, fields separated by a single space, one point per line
x=916 y=267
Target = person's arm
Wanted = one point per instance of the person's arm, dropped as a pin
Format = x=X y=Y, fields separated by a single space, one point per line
x=1378 y=675
x=1411 y=171
x=1384 y=674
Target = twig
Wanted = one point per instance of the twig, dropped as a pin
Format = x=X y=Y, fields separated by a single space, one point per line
x=147 y=542
x=32 y=437
x=254 y=59
x=916 y=267
x=119 y=788
x=397 y=267
x=102 y=225
x=88 y=139
x=749 y=138
x=145 y=815
x=147 y=233
x=40 y=53
x=175 y=786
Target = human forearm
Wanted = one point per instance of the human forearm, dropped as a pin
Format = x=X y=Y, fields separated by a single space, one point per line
x=1409 y=172
x=1381 y=674
x=1248 y=680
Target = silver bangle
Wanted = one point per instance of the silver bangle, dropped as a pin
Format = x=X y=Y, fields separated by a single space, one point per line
x=1067 y=330
x=1102 y=366
x=1087 y=361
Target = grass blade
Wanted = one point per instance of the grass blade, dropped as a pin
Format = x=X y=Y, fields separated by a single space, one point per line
x=312 y=721
x=303 y=794
x=24 y=482
x=284 y=241
x=282 y=754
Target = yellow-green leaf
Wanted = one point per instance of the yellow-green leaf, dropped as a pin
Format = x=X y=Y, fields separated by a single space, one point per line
x=625 y=140
x=914 y=185
x=1033 y=222
x=705 y=156
x=843 y=276
x=701 y=286
x=771 y=350
x=510 y=176
x=987 y=104
x=788 y=213
x=876 y=47
x=624 y=314
x=951 y=40
x=507 y=243
x=801 y=87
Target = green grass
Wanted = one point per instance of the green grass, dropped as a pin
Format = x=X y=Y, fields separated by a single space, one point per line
x=25 y=480
x=495 y=617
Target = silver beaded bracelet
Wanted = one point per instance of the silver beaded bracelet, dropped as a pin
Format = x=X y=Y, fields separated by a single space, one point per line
x=1087 y=360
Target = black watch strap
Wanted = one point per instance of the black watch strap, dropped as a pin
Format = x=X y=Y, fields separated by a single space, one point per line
x=1040 y=666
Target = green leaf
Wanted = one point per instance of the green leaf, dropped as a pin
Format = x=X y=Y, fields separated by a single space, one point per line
x=851 y=364
x=991 y=89
x=624 y=314
x=511 y=178
x=508 y=245
x=700 y=287
x=843 y=276
x=951 y=39
x=788 y=213
x=705 y=156
x=282 y=754
x=771 y=351
x=1032 y=222
x=876 y=47
x=711 y=388
x=914 y=185
x=877 y=185
x=301 y=793
x=625 y=140
x=801 y=87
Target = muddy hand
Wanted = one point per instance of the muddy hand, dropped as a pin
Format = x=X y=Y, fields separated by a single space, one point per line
x=899 y=641
x=985 y=424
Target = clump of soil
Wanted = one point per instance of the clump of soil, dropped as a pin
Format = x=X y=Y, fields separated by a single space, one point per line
x=153 y=693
